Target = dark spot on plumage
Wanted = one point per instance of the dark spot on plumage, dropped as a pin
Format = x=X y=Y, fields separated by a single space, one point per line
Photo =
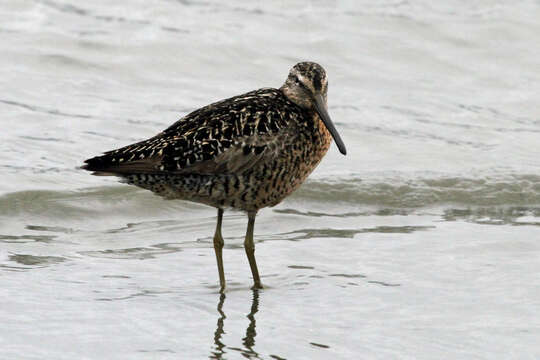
x=182 y=143
x=282 y=175
x=248 y=130
x=317 y=81
x=201 y=134
x=261 y=127
x=264 y=171
x=207 y=147
x=273 y=126
x=227 y=132
x=274 y=183
x=226 y=185
x=226 y=143
x=246 y=150
x=274 y=167
x=310 y=121
x=259 y=149
x=236 y=183
x=250 y=117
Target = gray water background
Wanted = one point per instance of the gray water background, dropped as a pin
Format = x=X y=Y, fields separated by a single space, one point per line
x=422 y=243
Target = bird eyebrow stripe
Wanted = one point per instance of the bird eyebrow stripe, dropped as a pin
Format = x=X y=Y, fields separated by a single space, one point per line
x=301 y=84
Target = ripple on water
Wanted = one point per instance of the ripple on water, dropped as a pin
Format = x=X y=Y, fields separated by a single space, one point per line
x=304 y=234
x=506 y=215
x=139 y=253
x=26 y=238
x=511 y=190
x=35 y=260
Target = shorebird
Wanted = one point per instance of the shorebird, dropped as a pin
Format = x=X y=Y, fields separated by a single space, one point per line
x=246 y=152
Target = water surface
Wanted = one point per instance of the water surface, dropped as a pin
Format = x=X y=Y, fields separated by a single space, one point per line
x=421 y=243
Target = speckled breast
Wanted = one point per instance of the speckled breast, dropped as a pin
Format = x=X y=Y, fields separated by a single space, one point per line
x=289 y=170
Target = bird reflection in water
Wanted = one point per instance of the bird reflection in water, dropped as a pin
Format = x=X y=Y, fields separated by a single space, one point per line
x=217 y=354
x=248 y=341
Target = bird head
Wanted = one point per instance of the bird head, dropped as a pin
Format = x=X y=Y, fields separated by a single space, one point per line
x=307 y=87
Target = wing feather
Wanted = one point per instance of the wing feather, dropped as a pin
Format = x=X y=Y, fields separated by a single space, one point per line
x=225 y=137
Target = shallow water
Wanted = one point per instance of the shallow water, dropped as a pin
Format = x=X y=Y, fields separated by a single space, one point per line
x=421 y=243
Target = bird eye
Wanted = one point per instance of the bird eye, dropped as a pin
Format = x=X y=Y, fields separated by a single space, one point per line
x=296 y=81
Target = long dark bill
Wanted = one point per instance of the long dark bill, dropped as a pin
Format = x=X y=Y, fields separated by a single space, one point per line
x=321 y=110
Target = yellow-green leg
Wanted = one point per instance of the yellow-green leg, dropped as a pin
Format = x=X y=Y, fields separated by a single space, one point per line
x=250 y=250
x=218 y=247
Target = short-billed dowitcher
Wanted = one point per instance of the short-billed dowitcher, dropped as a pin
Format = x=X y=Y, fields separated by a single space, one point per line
x=247 y=152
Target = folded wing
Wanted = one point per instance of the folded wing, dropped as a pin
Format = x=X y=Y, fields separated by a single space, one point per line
x=225 y=137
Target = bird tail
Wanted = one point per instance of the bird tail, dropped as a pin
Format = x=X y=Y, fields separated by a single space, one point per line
x=100 y=165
